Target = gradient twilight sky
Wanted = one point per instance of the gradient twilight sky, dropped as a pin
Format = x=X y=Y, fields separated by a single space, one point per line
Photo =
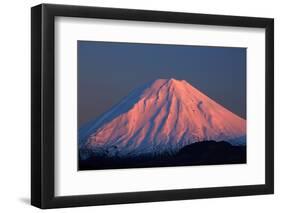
x=108 y=71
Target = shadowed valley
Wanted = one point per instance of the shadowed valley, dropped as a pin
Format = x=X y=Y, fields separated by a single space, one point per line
x=200 y=153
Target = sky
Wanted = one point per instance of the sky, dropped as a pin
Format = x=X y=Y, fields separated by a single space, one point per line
x=108 y=71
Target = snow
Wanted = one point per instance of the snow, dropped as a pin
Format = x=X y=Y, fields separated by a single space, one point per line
x=161 y=116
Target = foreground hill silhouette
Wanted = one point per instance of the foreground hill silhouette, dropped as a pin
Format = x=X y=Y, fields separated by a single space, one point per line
x=201 y=153
x=157 y=120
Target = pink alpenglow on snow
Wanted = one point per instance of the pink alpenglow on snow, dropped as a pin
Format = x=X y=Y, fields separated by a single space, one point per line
x=161 y=116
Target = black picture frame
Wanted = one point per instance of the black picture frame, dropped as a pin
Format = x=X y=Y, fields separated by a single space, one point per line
x=43 y=113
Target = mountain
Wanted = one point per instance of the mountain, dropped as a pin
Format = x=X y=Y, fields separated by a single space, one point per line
x=161 y=116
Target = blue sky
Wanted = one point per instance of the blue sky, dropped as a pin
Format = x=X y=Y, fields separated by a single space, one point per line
x=108 y=71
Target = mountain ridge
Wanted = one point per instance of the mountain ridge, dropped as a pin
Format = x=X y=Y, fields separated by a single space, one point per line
x=161 y=116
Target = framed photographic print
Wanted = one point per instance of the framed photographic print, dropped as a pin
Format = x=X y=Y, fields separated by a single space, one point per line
x=139 y=106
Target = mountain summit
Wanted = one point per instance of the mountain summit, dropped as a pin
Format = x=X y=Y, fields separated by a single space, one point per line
x=161 y=116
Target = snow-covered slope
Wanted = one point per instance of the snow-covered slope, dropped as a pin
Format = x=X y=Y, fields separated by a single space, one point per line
x=161 y=116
